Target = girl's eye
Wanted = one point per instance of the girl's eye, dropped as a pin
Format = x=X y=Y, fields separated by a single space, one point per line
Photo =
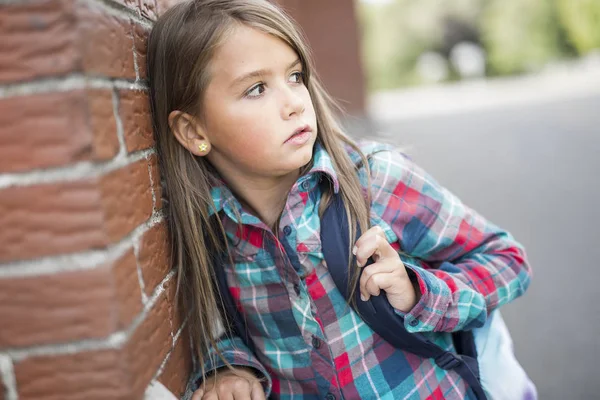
x=256 y=91
x=296 y=77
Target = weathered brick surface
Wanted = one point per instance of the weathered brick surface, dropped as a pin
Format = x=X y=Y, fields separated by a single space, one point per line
x=127 y=199
x=102 y=123
x=148 y=346
x=72 y=216
x=134 y=109
x=90 y=375
x=148 y=8
x=140 y=38
x=57 y=308
x=38 y=39
x=179 y=366
x=128 y=291
x=54 y=129
x=163 y=5
x=68 y=306
x=106 y=43
x=56 y=122
x=156 y=184
x=154 y=257
x=54 y=37
x=51 y=219
x=175 y=308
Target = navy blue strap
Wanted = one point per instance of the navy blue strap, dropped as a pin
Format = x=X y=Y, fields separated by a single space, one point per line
x=378 y=312
x=228 y=307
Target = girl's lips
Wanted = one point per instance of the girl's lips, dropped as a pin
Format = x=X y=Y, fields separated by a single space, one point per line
x=300 y=136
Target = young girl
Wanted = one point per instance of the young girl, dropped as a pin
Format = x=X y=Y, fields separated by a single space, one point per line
x=251 y=155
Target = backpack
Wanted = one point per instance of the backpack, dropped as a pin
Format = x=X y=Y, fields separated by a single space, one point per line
x=376 y=312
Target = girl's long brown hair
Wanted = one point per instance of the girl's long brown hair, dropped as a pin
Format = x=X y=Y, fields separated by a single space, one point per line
x=180 y=48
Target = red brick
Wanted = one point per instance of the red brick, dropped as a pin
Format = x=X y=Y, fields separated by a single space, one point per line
x=66 y=217
x=179 y=366
x=132 y=4
x=134 y=109
x=56 y=37
x=148 y=8
x=54 y=129
x=38 y=39
x=128 y=291
x=106 y=43
x=140 y=42
x=127 y=199
x=148 y=346
x=90 y=375
x=156 y=185
x=154 y=257
x=102 y=123
x=51 y=219
x=164 y=5
x=175 y=306
x=57 y=308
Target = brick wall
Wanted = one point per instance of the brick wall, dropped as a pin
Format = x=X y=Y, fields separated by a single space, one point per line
x=86 y=296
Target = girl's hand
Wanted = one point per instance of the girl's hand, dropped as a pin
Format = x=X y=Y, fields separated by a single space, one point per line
x=241 y=385
x=386 y=273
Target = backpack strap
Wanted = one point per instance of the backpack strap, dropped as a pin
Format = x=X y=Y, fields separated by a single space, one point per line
x=227 y=304
x=379 y=314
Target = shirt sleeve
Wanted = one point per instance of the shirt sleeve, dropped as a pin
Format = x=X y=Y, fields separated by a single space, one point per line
x=464 y=265
x=236 y=353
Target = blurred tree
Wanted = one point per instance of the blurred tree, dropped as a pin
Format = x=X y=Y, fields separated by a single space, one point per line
x=581 y=21
x=520 y=35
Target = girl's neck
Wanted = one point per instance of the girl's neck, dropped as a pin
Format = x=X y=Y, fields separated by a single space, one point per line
x=264 y=197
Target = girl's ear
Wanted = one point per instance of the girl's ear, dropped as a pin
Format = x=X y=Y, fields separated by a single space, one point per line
x=189 y=133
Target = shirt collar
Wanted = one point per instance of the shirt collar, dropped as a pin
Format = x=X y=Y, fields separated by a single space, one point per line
x=322 y=165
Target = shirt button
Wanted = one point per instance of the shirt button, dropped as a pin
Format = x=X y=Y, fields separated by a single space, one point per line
x=306 y=185
x=329 y=396
x=316 y=342
x=287 y=230
x=414 y=322
x=297 y=289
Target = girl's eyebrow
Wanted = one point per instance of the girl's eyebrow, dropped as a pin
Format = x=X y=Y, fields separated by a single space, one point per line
x=259 y=73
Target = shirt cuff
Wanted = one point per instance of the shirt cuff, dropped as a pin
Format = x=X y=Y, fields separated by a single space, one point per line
x=236 y=357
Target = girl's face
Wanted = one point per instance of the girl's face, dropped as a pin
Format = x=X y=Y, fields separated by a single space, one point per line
x=258 y=115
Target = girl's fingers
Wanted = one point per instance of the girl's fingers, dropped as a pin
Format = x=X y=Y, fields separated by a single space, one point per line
x=379 y=282
x=370 y=271
x=198 y=395
x=373 y=244
x=258 y=393
x=243 y=391
x=225 y=393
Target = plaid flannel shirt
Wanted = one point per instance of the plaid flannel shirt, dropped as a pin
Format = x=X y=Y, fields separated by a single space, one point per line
x=309 y=343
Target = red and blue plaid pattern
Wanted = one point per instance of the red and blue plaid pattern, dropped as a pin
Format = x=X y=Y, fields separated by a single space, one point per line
x=309 y=343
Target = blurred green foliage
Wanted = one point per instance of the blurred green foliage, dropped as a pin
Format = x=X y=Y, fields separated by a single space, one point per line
x=581 y=21
x=517 y=35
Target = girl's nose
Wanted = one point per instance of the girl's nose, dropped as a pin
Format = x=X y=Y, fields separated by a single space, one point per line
x=293 y=104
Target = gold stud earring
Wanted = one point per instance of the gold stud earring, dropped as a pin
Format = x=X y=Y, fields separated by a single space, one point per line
x=203 y=147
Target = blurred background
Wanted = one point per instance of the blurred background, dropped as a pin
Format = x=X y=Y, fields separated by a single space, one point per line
x=500 y=101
